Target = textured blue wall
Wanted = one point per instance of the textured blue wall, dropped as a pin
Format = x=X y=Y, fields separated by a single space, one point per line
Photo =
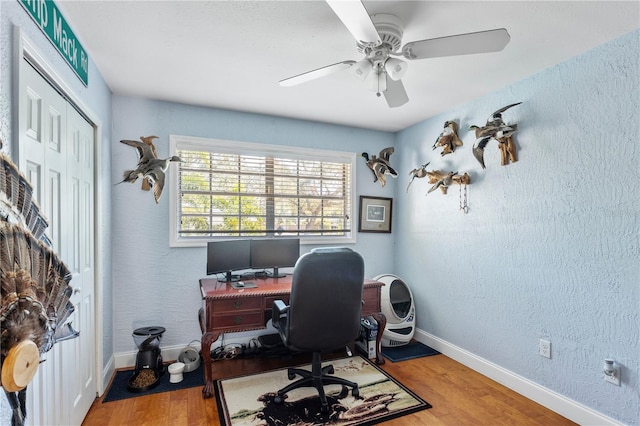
x=550 y=247
x=158 y=285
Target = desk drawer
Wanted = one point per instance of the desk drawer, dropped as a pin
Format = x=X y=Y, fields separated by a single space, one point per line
x=271 y=299
x=268 y=312
x=225 y=306
x=371 y=297
x=239 y=320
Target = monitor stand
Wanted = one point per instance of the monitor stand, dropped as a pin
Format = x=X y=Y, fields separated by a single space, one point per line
x=232 y=278
x=275 y=273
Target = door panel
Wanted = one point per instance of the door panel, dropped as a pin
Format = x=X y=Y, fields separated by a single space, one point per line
x=81 y=251
x=55 y=152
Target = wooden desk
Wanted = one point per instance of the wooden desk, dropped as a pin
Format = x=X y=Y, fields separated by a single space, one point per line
x=229 y=310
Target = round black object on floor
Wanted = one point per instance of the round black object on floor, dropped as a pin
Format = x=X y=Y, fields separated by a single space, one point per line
x=149 y=365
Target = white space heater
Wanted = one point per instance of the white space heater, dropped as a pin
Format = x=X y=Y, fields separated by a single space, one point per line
x=397 y=305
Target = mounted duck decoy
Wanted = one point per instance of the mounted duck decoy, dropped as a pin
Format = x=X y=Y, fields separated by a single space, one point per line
x=440 y=180
x=380 y=165
x=146 y=153
x=418 y=172
x=149 y=168
x=149 y=141
x=448 y=139
x=155 y=174
x=495 y=128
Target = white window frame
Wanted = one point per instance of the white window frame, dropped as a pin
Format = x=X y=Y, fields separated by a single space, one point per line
x=180 y=142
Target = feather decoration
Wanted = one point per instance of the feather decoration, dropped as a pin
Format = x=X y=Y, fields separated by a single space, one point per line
x=34 y=288
x=35 y=291
x=16 y=199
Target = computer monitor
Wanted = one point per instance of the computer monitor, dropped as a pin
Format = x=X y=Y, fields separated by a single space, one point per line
x=274 y=253
x=228 y=256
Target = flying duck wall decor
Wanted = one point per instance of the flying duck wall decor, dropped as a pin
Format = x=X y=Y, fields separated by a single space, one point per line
x=380 y=166
x=150 y=168
x=440 y=179
x=149 y=141
x=496 y=128
x=418 y=172
x=448 y=139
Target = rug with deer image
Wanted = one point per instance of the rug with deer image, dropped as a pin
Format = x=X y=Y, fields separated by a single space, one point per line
x=249 y=400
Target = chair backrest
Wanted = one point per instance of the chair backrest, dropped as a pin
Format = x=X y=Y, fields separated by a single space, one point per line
x=326 y=299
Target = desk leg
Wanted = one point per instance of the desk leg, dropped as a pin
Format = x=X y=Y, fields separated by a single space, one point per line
x=382 y=323
x=207 y=339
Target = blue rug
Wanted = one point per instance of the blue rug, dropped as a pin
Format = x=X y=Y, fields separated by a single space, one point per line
x=411 y=350
x=118 y=389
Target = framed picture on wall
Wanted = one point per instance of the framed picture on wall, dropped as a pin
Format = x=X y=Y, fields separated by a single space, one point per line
x=375 y=214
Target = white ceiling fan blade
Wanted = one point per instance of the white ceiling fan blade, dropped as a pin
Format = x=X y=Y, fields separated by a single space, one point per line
x=395 y=94
x=355 y=17
x=461 y=44
x=317 y=73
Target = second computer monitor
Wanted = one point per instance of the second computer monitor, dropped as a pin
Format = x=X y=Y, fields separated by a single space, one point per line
x=274 y=253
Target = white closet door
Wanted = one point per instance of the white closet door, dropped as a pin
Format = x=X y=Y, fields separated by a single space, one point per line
x=79 y=367
x=55 y=152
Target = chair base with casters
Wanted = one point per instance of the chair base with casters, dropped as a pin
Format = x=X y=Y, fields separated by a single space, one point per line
x=318 y=377
x=323 y=314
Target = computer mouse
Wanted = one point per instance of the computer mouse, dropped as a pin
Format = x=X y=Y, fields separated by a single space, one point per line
x=240 y=284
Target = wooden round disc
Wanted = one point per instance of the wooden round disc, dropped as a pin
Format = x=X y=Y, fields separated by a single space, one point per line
x=20 y=366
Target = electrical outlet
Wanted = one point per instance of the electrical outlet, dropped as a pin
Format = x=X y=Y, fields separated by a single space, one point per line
x=545 y=348
x=611 y=372
x=614 y=379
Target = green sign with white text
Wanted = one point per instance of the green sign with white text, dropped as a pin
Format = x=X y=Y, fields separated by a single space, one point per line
x=48 y=17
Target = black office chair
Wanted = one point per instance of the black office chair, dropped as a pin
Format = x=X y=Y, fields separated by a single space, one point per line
x=323 y=314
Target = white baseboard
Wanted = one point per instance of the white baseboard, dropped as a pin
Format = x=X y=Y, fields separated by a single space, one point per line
x=107 y=373
x=560 y=404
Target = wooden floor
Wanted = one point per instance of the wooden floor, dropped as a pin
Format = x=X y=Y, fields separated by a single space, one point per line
x=459 y=396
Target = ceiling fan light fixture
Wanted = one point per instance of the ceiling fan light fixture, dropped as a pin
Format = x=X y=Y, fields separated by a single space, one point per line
x=379 y=37
x=378 y=82
x=395 y=68
x=362 y=69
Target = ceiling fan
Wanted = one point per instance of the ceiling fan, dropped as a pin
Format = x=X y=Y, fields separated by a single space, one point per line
x=379 y=38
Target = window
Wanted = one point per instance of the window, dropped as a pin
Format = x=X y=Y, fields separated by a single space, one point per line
x=225 y=189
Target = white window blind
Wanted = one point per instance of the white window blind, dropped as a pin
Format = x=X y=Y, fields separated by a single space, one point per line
x=235 y=189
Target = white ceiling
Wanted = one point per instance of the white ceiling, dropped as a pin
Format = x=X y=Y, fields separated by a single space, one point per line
x=231 y=54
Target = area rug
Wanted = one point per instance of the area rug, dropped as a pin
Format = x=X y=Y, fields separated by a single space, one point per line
x=248 y=400
x=118 y=389
x=411 y=350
